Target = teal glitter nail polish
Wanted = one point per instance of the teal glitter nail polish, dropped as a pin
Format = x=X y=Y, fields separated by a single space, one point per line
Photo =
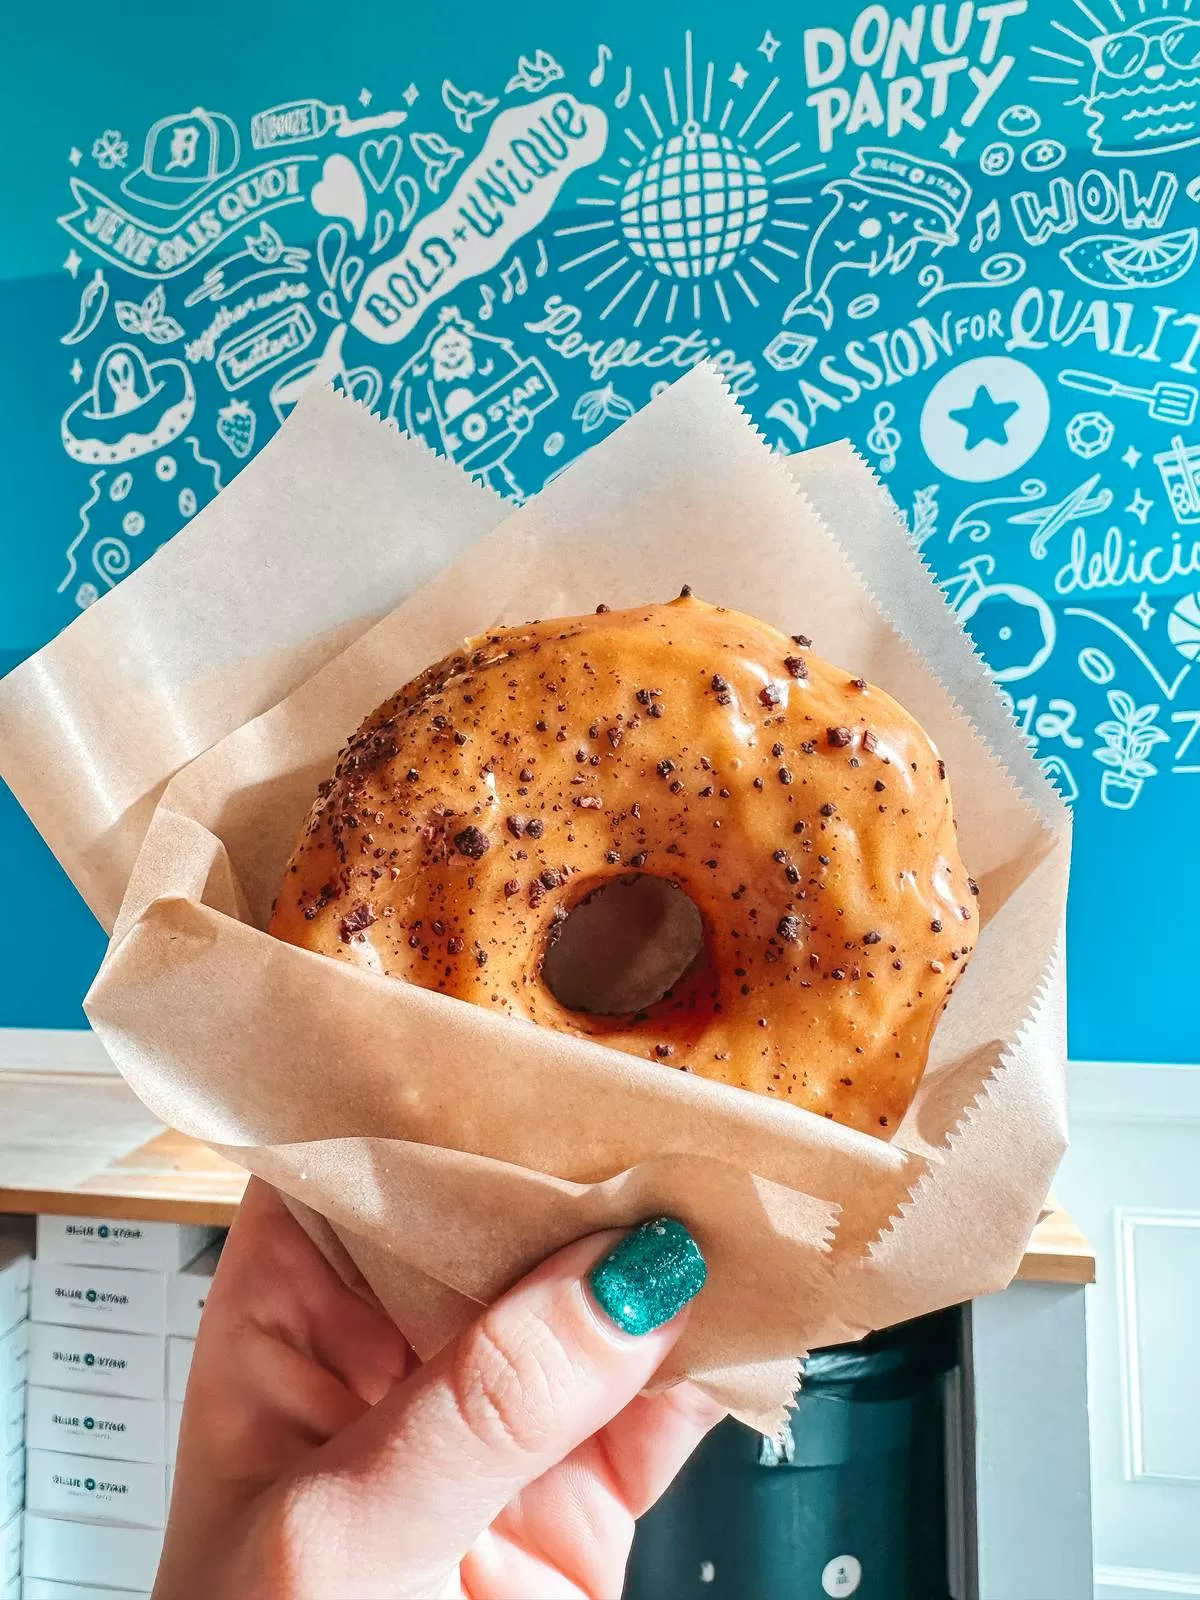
x=652 y=1274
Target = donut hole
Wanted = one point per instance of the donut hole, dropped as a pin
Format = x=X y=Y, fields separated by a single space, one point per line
x=623 y=947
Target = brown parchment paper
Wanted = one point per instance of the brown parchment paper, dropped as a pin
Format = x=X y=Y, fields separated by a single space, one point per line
x=169 y=742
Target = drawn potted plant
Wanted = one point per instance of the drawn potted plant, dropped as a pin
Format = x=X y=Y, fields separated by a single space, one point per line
x=1128 y=740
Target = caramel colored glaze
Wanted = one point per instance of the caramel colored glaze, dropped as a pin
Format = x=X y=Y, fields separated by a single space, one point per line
x=804 y=812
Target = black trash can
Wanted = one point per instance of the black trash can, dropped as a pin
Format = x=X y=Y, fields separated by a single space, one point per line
x=851 y=1502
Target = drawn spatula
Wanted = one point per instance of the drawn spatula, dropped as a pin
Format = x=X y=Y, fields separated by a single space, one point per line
x=1168 y=402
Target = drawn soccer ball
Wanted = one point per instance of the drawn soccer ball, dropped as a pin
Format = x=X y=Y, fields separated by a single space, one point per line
x=1089 y=434
x=693 y=204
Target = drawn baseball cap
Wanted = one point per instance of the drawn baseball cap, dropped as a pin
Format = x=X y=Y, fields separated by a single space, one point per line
x=934 y=188
x=186 y=153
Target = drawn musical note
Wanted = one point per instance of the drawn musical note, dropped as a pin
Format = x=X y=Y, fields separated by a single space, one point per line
x=625 y=93
x=987 y=226
x=883 y=439
x=514 y=280
x=543 y=261
x=486 y=301
x=596 y=75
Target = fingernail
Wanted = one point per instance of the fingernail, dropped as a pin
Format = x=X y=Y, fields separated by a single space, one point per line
x=650 y=1276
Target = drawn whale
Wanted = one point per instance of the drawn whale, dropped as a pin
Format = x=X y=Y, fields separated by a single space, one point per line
x=864 y=232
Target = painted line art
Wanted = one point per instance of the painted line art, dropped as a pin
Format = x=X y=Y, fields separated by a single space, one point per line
x=977 y=262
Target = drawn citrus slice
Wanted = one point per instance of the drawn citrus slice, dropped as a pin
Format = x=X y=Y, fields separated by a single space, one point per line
x=1140 y=264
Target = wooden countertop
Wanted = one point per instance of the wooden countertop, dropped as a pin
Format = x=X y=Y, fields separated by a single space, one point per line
x=79 y=1145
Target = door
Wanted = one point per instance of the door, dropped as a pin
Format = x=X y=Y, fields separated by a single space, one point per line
x=1132 y=1182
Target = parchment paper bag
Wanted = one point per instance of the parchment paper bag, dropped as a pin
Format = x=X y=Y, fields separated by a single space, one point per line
x=168 y=743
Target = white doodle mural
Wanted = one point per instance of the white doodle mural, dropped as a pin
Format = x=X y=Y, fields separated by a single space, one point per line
x=965 y=236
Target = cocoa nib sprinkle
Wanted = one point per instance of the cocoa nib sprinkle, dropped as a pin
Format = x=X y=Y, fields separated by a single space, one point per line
x=456 y=946
x=472 y=842
x=870 y=742
x=839 y=738
x=769 y=695
x=788 y=928
x=535 y=827
x=354 y=922
x=516 y=825
x=796 y=666
x=802 y=640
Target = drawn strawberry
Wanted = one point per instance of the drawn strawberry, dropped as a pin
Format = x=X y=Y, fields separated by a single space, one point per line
x=235 y=424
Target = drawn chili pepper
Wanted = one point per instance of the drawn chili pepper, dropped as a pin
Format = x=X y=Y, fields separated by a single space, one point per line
x=92 y=303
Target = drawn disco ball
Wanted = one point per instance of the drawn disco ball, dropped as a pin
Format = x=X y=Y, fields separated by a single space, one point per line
x=693 y=204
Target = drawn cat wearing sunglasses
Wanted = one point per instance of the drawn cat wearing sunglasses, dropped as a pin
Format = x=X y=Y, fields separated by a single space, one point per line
x=1144 y=97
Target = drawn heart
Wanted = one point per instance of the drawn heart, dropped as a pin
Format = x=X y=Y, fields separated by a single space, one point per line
x=331 y=247
x=408 y=192
x=379 y=159
x=352 y=271
x=327 y=302
x=384 y=226
x=340 y=193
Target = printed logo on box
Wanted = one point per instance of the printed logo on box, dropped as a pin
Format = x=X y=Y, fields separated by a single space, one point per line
x=62 y=1419
x=62 y=1480
x=102 y=1230
x=103 y=1297
x=73 y=1358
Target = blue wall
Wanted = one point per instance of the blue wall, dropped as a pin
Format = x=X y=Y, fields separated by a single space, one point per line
x=969 y=242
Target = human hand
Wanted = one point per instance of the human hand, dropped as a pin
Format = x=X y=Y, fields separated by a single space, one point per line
x=319 y=1460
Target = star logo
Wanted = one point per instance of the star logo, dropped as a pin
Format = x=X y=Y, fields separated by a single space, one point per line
x=76 y=370
x=738 y=76
x=365 y=97
x=1144 y=612
x=985 y=418
x=410 y=94
x=75 y=155
x=1139 y=507
x=769 y=46
x=953 y=143
x=73 y=262
x=1131 y=457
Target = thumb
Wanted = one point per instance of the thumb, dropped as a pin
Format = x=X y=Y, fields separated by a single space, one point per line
x=542 y=1370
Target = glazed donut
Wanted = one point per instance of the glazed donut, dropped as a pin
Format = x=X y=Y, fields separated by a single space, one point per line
x=803 y=812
